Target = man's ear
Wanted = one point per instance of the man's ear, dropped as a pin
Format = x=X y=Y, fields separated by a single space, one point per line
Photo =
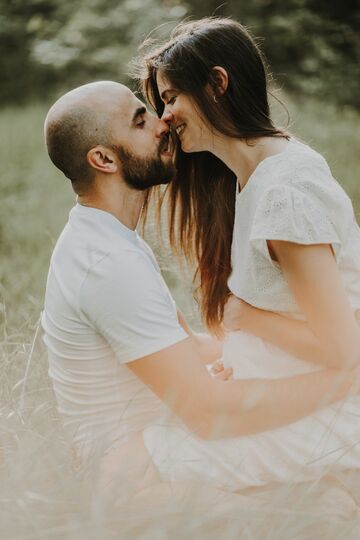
x=102 y=159
x=220 y=81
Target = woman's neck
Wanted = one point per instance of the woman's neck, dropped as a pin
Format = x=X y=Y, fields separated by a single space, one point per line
x=243 y=157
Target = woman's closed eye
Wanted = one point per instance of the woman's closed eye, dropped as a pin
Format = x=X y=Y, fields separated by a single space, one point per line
x=140 y=124
x=172 y=100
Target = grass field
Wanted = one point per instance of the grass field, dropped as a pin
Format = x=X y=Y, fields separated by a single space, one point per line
x=42 y=492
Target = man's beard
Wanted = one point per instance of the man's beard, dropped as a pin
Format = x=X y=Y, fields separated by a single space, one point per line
x=142 y=173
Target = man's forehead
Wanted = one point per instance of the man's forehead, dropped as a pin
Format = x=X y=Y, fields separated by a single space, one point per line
x=118 y=100
x=130 y=107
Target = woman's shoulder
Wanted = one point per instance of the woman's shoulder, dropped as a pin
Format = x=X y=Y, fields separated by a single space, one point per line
x=297 y=161
x=297 y=165
x=300 y=168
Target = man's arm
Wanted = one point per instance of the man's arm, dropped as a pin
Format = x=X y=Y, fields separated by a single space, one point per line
x=217 y=409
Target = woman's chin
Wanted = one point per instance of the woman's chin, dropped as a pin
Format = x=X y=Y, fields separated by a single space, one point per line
x=190 y=148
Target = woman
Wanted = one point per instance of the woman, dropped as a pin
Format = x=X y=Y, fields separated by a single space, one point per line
x=264 y=219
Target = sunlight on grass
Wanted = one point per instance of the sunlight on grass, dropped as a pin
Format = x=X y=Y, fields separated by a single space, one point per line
x=44 y=492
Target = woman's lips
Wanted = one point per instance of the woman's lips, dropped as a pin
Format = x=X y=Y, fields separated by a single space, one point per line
x=179 y=129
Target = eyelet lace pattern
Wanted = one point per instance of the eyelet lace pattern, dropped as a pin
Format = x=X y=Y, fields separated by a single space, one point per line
x=291 y=196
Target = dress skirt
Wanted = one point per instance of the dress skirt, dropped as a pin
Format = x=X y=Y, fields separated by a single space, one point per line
x=323 y=443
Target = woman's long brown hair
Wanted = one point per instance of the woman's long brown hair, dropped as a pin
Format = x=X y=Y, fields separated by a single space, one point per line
x=201 y=198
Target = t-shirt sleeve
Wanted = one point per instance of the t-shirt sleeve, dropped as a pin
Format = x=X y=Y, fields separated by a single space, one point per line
x=303 y=213
x=127 y=302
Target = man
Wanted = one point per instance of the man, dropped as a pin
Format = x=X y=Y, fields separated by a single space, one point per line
x=119 y=357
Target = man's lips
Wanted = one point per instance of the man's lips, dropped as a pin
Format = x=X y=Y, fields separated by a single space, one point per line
x=166 y=146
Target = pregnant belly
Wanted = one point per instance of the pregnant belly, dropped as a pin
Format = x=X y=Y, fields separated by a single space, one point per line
x=252 y=357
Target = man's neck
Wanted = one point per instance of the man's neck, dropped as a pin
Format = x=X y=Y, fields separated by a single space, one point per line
x=123 y=203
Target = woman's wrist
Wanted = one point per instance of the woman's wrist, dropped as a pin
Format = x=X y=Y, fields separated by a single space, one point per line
x=239 y=315
x=256 y=321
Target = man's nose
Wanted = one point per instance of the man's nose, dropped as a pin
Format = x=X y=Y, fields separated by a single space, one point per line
x=163 y=126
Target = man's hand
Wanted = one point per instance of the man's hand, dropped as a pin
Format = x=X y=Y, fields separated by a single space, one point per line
x=237 y=314
x=209 y=347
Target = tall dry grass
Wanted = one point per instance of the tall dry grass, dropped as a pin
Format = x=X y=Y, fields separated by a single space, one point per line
x=44 y=492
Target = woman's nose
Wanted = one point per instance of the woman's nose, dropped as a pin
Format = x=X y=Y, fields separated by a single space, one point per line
x=167 y=116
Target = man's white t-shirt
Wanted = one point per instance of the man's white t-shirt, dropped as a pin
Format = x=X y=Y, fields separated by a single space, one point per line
x=106 y=304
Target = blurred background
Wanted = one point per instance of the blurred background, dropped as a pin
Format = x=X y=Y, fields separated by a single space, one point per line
x=312 y=45
x=50 y=46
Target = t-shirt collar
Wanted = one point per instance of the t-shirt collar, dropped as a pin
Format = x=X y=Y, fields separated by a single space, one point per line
x=105 y=218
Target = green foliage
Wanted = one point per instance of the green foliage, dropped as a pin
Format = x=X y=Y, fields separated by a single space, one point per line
x=21 y=22
x=312 y=45
x=49 y=44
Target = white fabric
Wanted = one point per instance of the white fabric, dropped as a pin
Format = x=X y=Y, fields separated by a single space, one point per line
x=290 y=196
x=106 y=304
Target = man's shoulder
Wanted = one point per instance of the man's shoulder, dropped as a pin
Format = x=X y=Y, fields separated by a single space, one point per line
x=86 y=246
x=118 y=260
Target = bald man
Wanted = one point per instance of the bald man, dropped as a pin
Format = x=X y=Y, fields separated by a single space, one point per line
x=120 y=361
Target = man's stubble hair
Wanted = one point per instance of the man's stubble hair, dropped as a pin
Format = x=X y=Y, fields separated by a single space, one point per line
x=141 y=173
x=70 y=137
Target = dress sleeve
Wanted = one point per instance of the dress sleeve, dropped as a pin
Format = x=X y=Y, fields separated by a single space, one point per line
x=304 y=214
x=125 y=299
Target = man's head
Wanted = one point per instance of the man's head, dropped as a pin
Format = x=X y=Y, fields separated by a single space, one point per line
x=102 y=129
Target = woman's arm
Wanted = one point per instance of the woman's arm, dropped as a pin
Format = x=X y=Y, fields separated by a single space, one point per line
x=315 y=280
x=331 y=336
x=291 y=335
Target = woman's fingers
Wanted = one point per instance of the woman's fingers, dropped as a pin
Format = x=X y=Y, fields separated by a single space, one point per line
x=216 y=367
x=224 y=375
x=218 y=371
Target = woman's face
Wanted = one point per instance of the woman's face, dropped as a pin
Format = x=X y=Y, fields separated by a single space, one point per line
x=181 y=112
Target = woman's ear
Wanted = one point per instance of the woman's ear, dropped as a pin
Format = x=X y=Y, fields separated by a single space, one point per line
x=102 y=159
x=220 y=81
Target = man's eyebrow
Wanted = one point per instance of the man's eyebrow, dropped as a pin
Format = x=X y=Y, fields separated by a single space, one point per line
x=139 y=112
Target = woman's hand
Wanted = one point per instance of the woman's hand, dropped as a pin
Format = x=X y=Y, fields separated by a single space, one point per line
x=238 y=314
x=209 y=347
x=218 y=371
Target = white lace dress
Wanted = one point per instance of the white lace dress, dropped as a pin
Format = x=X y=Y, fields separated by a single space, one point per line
x=290 y=196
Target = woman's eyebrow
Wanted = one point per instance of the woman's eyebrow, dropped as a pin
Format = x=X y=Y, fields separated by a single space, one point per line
x=165 y=92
